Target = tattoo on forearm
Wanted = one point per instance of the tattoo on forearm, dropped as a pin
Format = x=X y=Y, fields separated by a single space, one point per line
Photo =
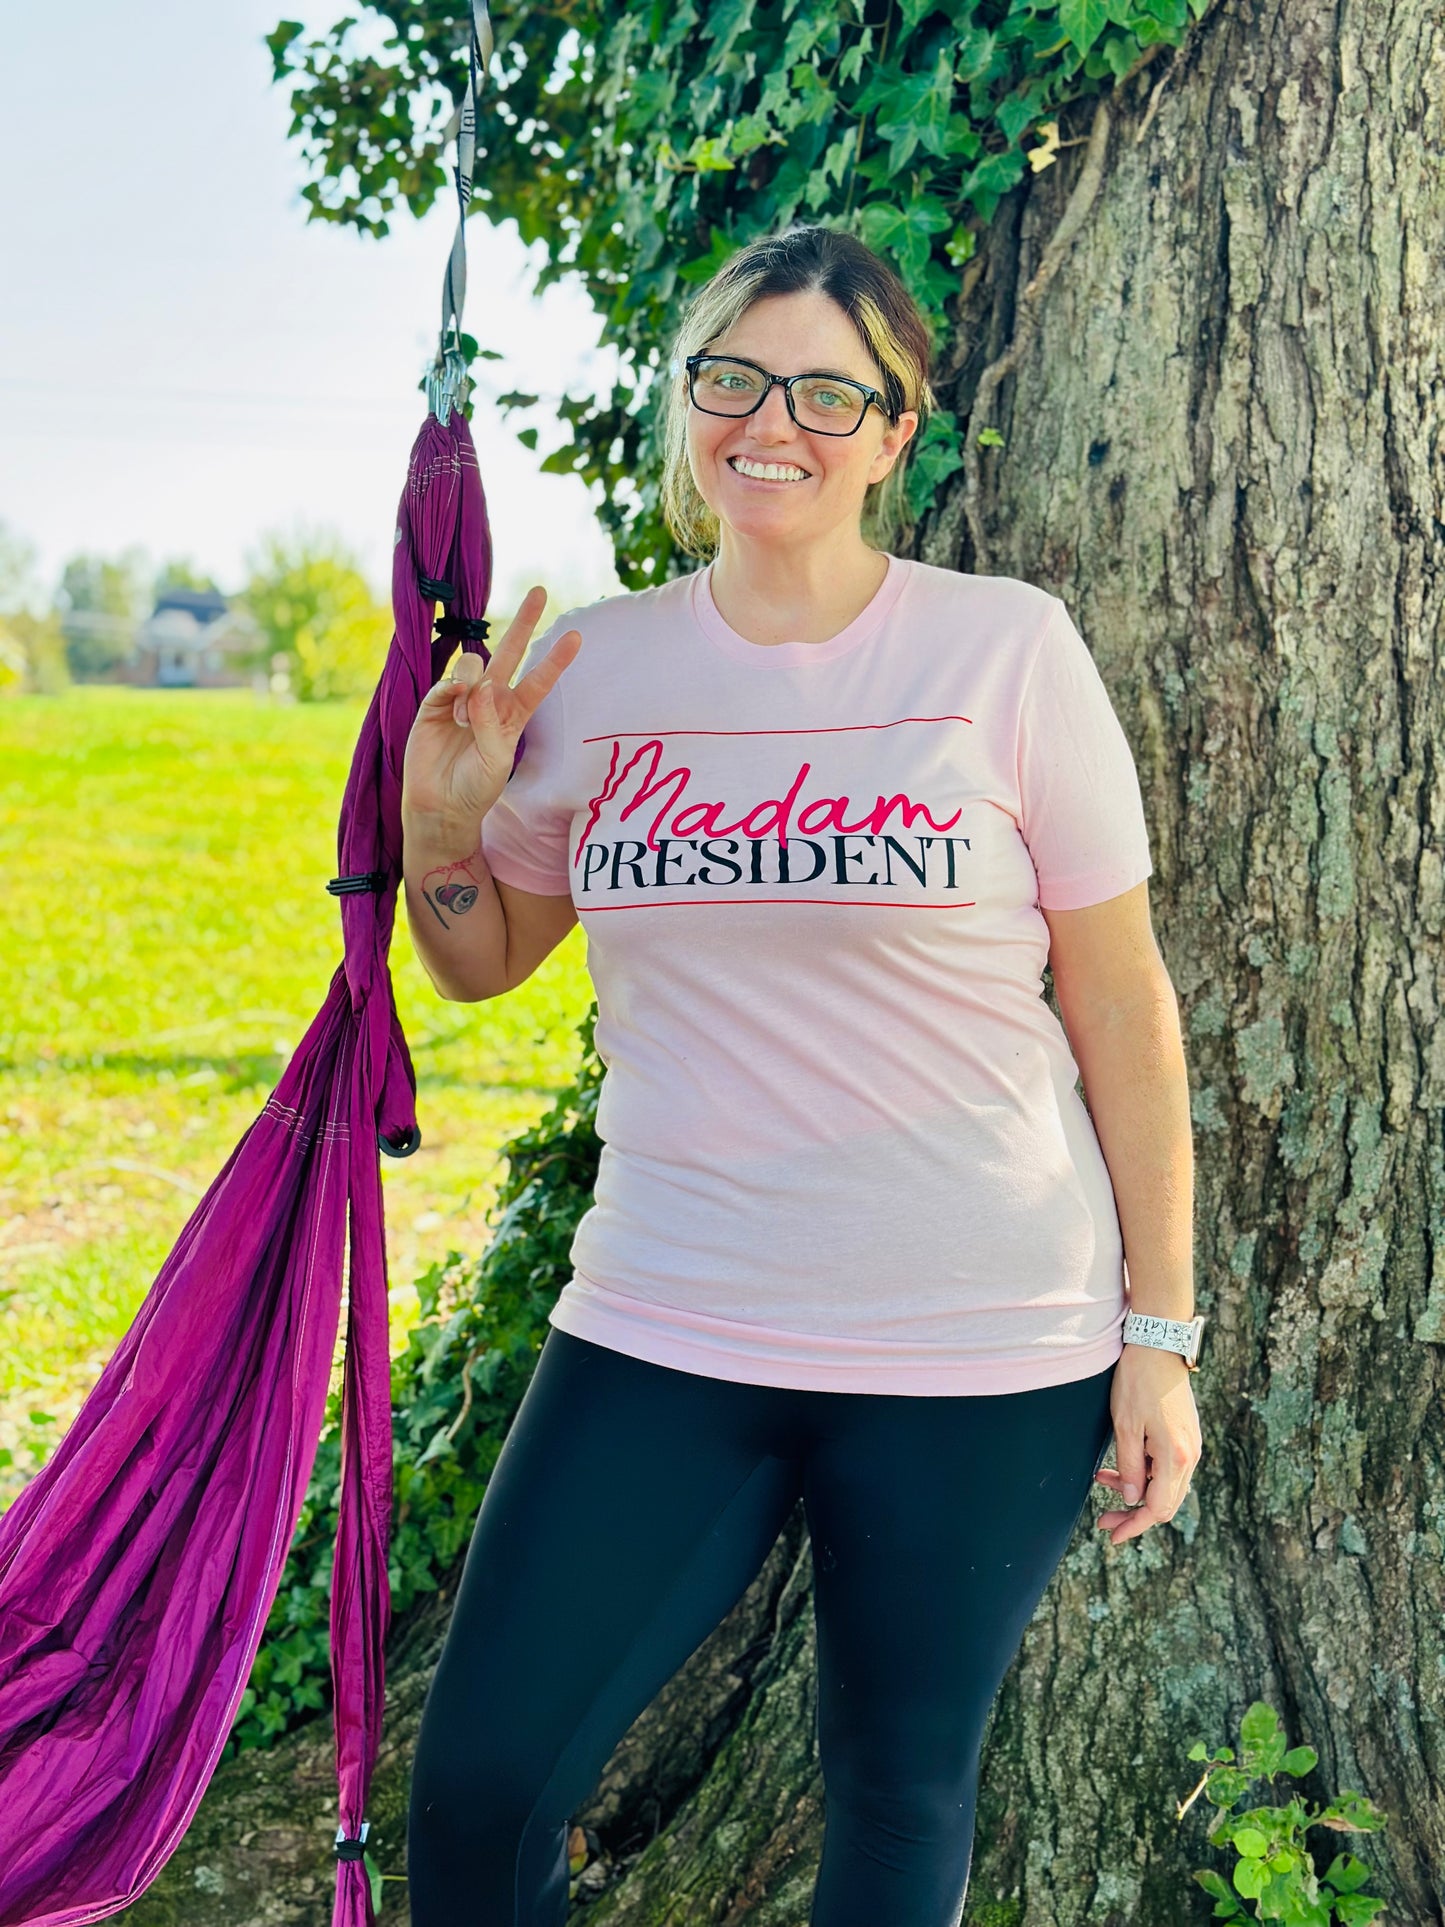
x=451 y=891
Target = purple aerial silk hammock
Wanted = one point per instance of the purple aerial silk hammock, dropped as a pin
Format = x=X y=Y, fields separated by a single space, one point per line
x=139 y=1565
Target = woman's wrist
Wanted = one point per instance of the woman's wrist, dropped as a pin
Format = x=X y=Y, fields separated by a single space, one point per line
x=1162 y=1300
x=439 y=834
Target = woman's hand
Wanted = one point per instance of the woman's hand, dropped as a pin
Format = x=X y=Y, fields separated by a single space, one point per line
x=1156 y=1440
x=464 y=739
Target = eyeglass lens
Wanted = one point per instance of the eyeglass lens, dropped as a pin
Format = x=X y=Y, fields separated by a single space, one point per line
x=723 y=387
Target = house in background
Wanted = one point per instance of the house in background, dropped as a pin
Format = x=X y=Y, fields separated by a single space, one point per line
x=192 y=639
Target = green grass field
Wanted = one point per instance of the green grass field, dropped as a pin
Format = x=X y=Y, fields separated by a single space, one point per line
x=167 y=937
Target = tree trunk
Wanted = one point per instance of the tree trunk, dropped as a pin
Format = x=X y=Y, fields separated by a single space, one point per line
x=1223 y=449
x=1222 y=446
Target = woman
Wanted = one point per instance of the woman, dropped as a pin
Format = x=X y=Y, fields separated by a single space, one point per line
x=825 y=812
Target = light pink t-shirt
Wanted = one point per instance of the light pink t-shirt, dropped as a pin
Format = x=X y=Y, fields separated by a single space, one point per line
x=842 y=1144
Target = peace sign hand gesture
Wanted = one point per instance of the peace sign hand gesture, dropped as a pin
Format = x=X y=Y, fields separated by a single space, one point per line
x=460 y=751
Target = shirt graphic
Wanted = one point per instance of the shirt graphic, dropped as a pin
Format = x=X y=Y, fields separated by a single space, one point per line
x=669 y=817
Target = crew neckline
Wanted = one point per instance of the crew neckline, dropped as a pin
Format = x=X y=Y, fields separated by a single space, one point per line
x=788 y=655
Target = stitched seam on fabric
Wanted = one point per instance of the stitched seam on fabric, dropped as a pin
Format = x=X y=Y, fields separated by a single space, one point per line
x=1054 y=605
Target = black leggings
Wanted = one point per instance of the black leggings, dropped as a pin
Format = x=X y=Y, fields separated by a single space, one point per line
x=630 y=1508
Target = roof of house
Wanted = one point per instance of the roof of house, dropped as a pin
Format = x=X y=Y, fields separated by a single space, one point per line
x=206 y=605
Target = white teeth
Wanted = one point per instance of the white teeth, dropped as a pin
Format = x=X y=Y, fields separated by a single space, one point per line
x=769 y=471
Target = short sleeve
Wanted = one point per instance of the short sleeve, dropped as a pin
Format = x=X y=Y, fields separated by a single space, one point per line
x=1082 y=812
x=525 y=833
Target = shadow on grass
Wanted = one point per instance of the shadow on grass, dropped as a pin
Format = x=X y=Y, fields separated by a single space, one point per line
x=233 y=1072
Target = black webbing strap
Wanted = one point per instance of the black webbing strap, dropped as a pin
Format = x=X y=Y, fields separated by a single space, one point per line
x=468 y=628
x=346 y=1849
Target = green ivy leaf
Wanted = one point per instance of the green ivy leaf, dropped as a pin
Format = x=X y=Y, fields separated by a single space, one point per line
x=1250 y=1842
x=986 y=184
x=1250 y=1879
x=1345 y=1873
x=1262 y=1738
x=373 y=1879
x=962 y=139
x=1226 y=1785
x=905 y=230
x=851 y=64
x=914 y=113
x=1302 y=1913
x=1083 y=21
x=1356 y=1910
x=703 y=266
x=1214 y=1885
x=709 y=155
x=1115 y=54
x=960 y=247
x=1300 y=1760
x=973 y=53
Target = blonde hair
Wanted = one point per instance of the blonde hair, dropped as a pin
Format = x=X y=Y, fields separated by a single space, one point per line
x=888 y=322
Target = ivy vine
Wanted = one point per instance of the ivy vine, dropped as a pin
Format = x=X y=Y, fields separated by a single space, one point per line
x=642 y=144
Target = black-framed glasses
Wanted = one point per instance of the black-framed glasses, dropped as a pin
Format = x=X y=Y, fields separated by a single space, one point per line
x=823 y=404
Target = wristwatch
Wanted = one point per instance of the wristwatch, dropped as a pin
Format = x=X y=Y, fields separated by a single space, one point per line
x=1180 y=1335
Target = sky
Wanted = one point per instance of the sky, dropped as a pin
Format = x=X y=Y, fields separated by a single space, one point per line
x=186 y=363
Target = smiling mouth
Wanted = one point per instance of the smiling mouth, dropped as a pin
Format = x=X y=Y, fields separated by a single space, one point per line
x=803 y=474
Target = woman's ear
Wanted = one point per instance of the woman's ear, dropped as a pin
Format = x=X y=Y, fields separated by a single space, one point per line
x=895 y=439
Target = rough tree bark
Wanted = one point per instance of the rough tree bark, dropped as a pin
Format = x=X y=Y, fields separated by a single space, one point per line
x=1222 y=411
x=1224 y=450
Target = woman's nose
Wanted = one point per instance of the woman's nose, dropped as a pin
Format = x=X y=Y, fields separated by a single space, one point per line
x=772 y=414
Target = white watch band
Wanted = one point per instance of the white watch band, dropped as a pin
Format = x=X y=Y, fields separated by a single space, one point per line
x=1166 y=1335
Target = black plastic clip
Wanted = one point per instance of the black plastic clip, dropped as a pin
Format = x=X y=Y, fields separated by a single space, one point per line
x=435 y=588
x=469 y=628
x=346 y=1849
x=404 y=1145
x=358 y=885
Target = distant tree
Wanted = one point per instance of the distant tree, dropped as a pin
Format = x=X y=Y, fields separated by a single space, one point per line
x=19 y=575
x=99 y=603
x=317 y=613
x=32 y=649
x=182 y=573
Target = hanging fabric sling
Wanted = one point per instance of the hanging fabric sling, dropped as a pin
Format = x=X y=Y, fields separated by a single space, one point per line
x=138 y=1567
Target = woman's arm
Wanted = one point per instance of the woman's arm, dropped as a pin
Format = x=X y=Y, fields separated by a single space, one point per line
x=482 y=936
x=1122 y=1019
x=457 y=921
